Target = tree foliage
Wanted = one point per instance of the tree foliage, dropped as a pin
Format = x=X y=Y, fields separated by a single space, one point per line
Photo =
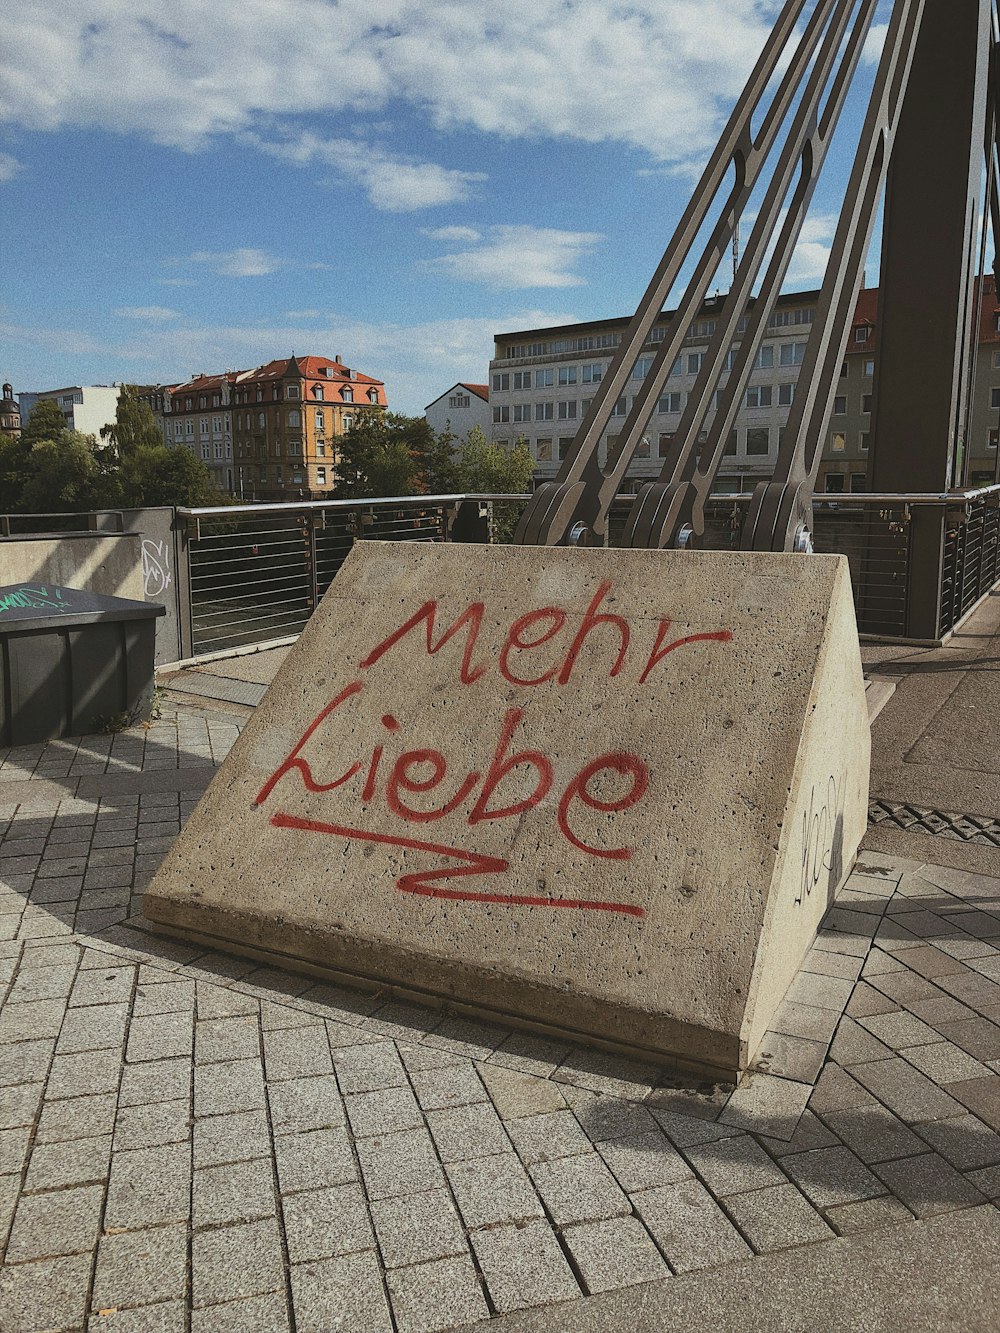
x=382 y=454
x=134 y=426
x=52 y=469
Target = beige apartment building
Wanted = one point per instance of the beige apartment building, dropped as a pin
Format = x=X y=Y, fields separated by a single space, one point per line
x=542 y=382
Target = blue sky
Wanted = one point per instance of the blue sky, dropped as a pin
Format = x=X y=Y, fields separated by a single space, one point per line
x=192 y=187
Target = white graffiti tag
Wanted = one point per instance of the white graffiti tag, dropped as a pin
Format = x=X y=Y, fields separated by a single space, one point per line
x=155 y=567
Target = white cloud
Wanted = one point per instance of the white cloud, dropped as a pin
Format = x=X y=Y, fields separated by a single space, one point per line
x=416 y=361
x=149 y=313
x=177 y=282
x=9 y=167
x=452 y=235
x=396 y=184
x=246 y=262
x=810 y=257
x=654 y=74
x=510 y=258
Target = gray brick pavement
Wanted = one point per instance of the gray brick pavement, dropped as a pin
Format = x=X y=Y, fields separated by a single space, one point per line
x=199 y=1143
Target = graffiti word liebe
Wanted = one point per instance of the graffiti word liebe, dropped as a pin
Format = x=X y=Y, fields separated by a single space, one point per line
x=419 y=786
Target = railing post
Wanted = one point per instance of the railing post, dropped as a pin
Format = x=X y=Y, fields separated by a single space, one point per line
x=923 y=584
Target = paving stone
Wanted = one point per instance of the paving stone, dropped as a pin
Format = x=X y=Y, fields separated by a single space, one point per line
x=981 y=1096
x=396 y=1164
x=869 y=1215
x=543 y=1138
x=436 y=1295
x=140 y=1267
x=369 y=1068
x=322 y=1223
x=414 y=1058
x=530 y=1054
x=987 y=1181
x=899 y=1030
x=153 y=1124
x=978 y=1036
x=767 y=1105
x=26 y=1022
x=236 y=1192
x=866 y=1000
x=224 y=1088
x=319 y=1157
x=231 y=1138
x=417 y=1227
x=805 y=1020
x=491 y=1191
x=830 y=1176
x=906 y=1091
x=689 y=1226
x=236 y=1261
x=218 y=1039
x=822 y=992
x=454 y=1085
x=51 y=1294
x=25 y=1062
x=297 y=1053
x=64 y=1222
x=874 y=1133
x=854 y=1045
x=155 y=1081
x=608 y=1074
x=643 y=1161
x=220 y=1002
x=106 y=985
x=792 y=1057
x=609 y=1117
x=734 y=1166
x=777 y=1217
x=167 y=1317
x=964 y=1141
x=347 y=1293
x=149 y=1186
x=305 y=1103
x=686 y=1131
x=382 y=1112
x=944 y=1063
x=79 y=1162
x=928 y=1185
x=159 y=1036
x=83 y=1075
x=19 y=1105
x=578 y=1189
x=614 y=1253
x=42 y=983
x=463 y=1132
x=259 y=1313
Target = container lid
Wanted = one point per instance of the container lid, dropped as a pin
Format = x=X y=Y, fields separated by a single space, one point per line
x=25 y=606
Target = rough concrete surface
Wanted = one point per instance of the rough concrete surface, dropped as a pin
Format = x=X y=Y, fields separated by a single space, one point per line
x=615 y=799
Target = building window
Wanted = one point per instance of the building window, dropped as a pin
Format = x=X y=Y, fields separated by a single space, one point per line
x=995 y=398
x=543 y=450
x=843 y=370
x=792 y=354
x=205 y=450
x=347 y=394
x=567 y=375
x=838 y=442
x=840 y=405
x=861 y=333
x=522 y=379
x=866 y=402
x=293 y=390
x=503 y=381
x=642 y=448
x=641 y=368
x=834 y=483
x=202 y=401
x=567 y=411
x=317 y=392
x=320 y=448
x=694 y=362
x=203 y=426
x=858 y=482
x=216 y=425
x=869 y=368
x=620 y=408
x=765 y=357
x=373 y=395
x=347 y=423
x=786 y=395
x=189 y=427
x=991 y=442
x=759 y=395
x=218 y=449
x=544 y=411
x=564 y=443
x=501 y=413
x=321 y=476
x=865 y=439
x=216 y=399
x=459 y=400
x=522 y=412
x=592 y=374
x=178 y=428
x=544 y=379
x=758 y=440
x=669 y=402
x=259 y=395
x=294 y=417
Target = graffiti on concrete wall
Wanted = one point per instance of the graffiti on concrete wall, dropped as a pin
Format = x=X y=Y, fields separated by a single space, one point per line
x=375 y=768
x=156 y=572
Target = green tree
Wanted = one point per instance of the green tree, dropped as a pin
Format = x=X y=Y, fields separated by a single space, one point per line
x=45 y=422
x=63 y=475
x=14 y=455
x=492 y=469
x=134 y=426
x=158 y=475
x=382 y=455
x=440 y=465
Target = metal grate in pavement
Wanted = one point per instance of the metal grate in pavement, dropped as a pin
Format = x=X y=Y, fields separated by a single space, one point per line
x=940 y=824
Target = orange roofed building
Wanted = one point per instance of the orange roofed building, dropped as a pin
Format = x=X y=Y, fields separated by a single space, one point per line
x=273 y=433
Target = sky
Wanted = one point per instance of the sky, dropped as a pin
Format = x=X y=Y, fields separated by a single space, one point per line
x=193 y=187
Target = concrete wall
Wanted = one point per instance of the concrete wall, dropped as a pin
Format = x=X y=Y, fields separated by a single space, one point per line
x=110 y=565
